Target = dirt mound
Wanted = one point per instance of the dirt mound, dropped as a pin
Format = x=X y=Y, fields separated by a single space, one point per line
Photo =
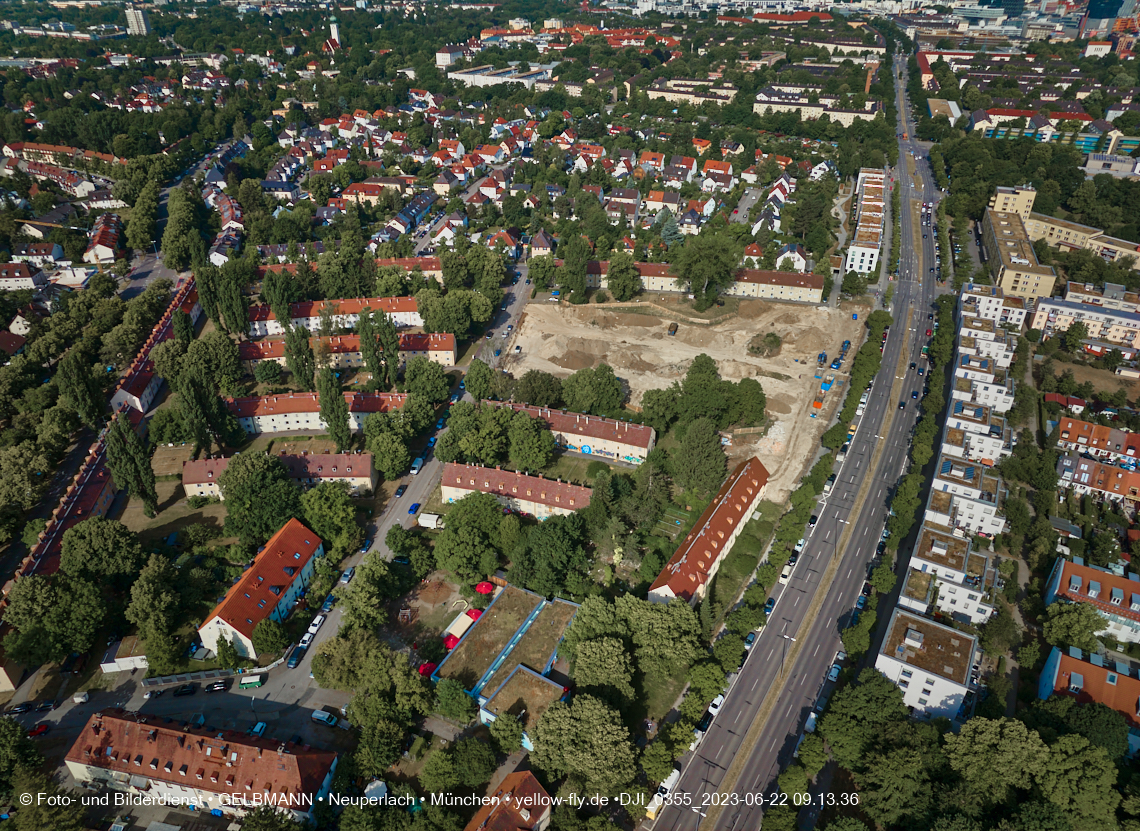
x=613 y=320
x=780 y=405
x=433 y=593
x=574 y=360
x=752 y=309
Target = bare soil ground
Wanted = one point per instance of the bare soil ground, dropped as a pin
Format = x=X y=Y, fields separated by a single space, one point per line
x=563 y=339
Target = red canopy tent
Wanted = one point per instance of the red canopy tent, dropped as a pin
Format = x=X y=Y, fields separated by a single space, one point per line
x=450 y=641
x=474 y=614
x=427 y=669
x=485 y=587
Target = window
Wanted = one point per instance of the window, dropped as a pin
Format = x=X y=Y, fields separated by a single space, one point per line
x=922 y=701
x=926 y=692
x=906 y=673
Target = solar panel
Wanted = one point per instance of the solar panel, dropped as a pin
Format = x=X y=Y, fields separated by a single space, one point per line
x=946 y=466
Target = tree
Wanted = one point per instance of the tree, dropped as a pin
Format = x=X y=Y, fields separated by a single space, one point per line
x=453 y=702
x=1079 y=778
x=154 y=608
x=389 y=348
x=1000 y=633
x=299 y=356
x=1102 y=726
x=622 y=277
x=594 y=391
x=268 y=818
x=474 y=761
x=426 y=379
x=531 y=443
x=50 y=806
x=259 y=496
x=1073 y=624
x=129 y=461
x=478 y=380
x=706 y=265
x=267 y=372
x=439 y=774
x=993 y=756
x=542 y=271
x=329 y=511
x=334 y=409
x=53 y=618
x=587 y=739
x=103 y=551
x=539 y=389
x=507 y=732
x=572 y=277
x=16 y=752
x=858 y=713
x=269 y=637
x=603 y=665
x=699 y=464
x=1073 y=336
x=77 y=386
x=363 y=602
x=389 y=452
x=228 y=656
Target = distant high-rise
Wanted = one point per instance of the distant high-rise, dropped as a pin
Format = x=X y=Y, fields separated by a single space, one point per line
x=138 y=22
x=1013 y=8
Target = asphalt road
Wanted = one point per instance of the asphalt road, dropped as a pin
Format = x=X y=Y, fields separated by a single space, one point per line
x=744 y=208
x=818 y=640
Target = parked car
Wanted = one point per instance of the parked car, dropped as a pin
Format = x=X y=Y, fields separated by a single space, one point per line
x=296 y=658
x=218 y=686
x=769 y=605
x=44 y=706
x=185 y=689
x=39 y=730
x=415 y=507
x=327 y=606
x=812 y=522
x=327 y=719
x=861 y=602
x=306 y=640
x=833 y=673
x=315 y=626
x=26 y=707
x=401 y=560
x=400 y=490
x=149 y=694
x=749 y=639
x=715 y=706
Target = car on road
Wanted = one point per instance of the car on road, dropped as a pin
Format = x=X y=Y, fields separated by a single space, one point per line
x=902 y=405
x=327 y=719
x=833 y=673
x=861 y=603
x=455 y=398
x=769 y=605
x=39 y=730
x=44 y=706
x=715 y=706
x=431 y=441
x=306 y=640
x=749 y=639
x=400 y=490
x=921 y=371
x=218 y=686
x=185 y=689
x=26 y=707
x=296 y=658
x=149 y=694
x=812 y=522
x=415 y=507
x=913 y=365
x=914 y=395
x=316 y=625
x=929 y=332
x=346 y=577
x=327 y=606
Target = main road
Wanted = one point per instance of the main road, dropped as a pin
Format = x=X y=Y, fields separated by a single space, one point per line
x=755 y=733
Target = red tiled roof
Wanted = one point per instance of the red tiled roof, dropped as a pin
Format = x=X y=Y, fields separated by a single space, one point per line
x=271 y=348
x=595 y=427
x=196 y=757
x=1121 y=695
x=518 y=789
x=11 y=343
x=688 y=568
x=15 y=271
x=312 y=308
x=493 y=480
x=300 y=466
x=307 y=402
x=1106 y=580
x=251 y=599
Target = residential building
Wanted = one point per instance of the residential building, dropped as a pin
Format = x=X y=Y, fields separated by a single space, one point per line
x=222 y=772
x=302 y=410
x=1015 y=200
x=528 y=495
x=138 y=22
x=16 y=276
x=105 y=242
x=345 y=313
x=344 y=350
x=594 y=435
x=863 y=252
x=520 y=803
x=1097 y=441
x=1108 y=481
x=1112 y=323
x=1116 y=596
x=929 y=662
x=967 y=497
x=1073 y=236
x=1012 y=261
x=697 y=559
x=1094 y=679
x=991 y=303
x=945 y=574
x=37 y=253
x=269 y=589
x=200 y=476
x=977 y=434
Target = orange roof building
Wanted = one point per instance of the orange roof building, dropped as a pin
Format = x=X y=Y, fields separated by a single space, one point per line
x=1091 y=678
x=594 y=435
x=520 y=804
x=278 y=578
x=529 y=495
x=216 y=770
x=693 y=565
x=1115 y=596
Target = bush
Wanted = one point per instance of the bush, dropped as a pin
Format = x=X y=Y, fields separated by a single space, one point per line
x=601 y=297
x=267 y=372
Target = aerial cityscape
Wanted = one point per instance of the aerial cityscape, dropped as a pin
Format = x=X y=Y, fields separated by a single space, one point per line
x=535 y=416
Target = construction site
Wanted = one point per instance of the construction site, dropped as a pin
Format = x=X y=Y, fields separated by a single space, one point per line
x=802 y=393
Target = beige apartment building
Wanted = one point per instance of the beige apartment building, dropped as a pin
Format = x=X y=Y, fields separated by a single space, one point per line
x=1012 y=260
x=200 y=476
x=530 y=495
x=1018 y=200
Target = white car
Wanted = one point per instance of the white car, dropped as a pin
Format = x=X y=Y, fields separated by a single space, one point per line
x=315 y=626
x=306 y=639
x=717 y=703
x=833 y=673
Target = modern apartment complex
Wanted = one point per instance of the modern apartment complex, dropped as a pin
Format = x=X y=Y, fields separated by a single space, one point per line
x=1111 y=315
x=138 y=22
x=930 y=662
x=866 y=242
x=1012 y=261
x=946 y=574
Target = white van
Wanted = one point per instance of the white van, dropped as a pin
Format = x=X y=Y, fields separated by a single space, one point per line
x=327 y=719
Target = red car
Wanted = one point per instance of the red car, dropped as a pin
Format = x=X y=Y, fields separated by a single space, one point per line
x=929 y=332
x=38 y=730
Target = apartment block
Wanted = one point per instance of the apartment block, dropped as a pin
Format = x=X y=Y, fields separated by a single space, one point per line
x=945 y=574
x=1115 y=596
x=985 y=340
x=991 y=303
x=594 y=435
x=302 y=410
x=697 y=559
x=1012 y=261
x=976 y=434
x=1073 y=236
x=221 y=772
x=529 y=495
x=930 y=663
x=1107 y=327
x=997 y=393
x=404 y=311
x=966 y=497
x=1095 y=679
x=200 y=476
x=863 y=253
x=1016 y=200
x=343 y=351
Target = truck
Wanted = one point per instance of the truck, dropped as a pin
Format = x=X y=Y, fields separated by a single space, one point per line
x=417 y=465
x=829 y=484
x=432 y=521
x=672 y=328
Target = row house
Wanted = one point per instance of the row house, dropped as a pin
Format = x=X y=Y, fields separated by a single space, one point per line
x=991 y=303
x=1097 y=441
x=527 y=495
x=992 y=387
x=948 y=575
x=975 y=433
x=930 y=662
x=866 y=242
x=1114 y=594
x=68 y=180
x=967 y=497
x=224 y=248
x=343 y=351
x=1108 y=482
x=105 y=242
x=982 y=339
x=200 y=476
x=404 y=311
x=37 y=253
x=594 y=435
x=302 y=411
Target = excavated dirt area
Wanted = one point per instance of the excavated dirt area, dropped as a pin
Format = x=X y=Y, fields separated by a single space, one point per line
x=561 y=339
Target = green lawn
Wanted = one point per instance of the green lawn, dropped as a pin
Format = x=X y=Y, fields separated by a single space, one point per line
x=660 y=693
x=571 y=467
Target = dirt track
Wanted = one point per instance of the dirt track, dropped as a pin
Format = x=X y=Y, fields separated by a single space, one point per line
x=562 y=339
